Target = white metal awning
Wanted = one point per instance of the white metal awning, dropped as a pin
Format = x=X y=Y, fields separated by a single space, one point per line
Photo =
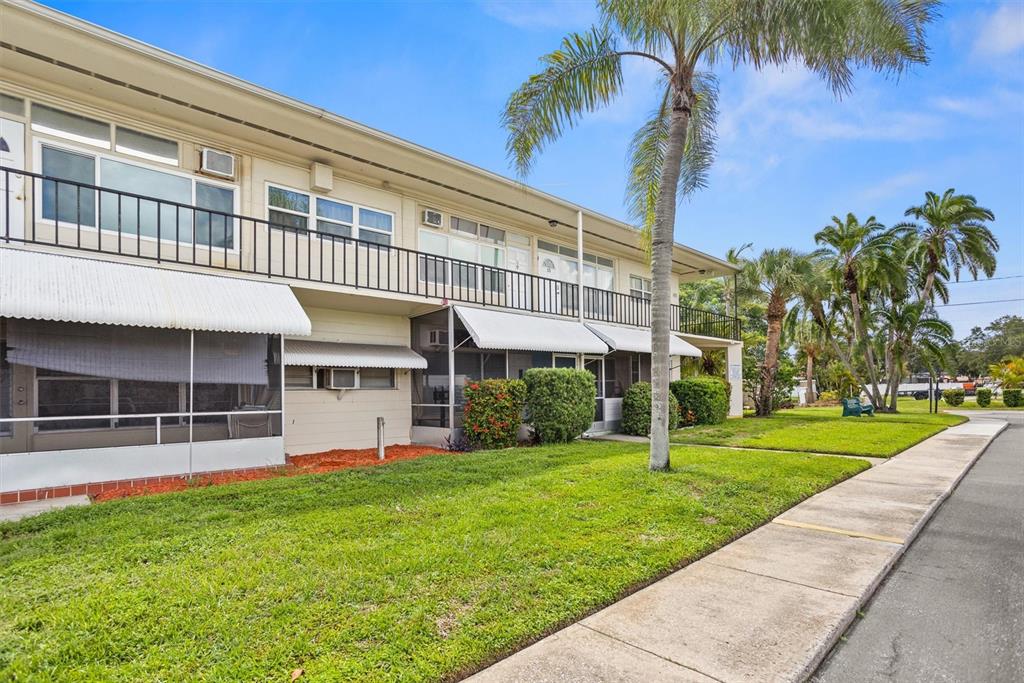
x=40 y=286
x=338 y=355
x=492 y=329
x=638 y=339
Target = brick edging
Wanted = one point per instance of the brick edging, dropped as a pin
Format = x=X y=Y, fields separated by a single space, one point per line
x=95 y=488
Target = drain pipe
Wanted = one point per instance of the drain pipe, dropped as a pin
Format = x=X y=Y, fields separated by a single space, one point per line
x=579 y=264
x=380 y=438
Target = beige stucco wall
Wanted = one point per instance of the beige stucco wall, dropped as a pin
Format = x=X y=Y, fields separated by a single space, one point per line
x=322 y=419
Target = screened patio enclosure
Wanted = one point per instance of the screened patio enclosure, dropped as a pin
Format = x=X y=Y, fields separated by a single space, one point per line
x=142 y=393
x=462 y=344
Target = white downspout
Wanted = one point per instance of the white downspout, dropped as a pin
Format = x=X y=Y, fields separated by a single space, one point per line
x=191 y=394
x=579 y=263
x=451 y=370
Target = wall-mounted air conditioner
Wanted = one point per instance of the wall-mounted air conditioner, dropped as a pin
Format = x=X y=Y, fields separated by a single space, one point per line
x=437 y=337
x=340 y=378
x=220 y=164
x=433 y=218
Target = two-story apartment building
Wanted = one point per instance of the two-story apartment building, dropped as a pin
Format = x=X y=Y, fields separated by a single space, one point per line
x=199 y=274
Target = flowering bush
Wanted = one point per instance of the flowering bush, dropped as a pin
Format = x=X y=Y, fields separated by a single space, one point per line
x=493 y=411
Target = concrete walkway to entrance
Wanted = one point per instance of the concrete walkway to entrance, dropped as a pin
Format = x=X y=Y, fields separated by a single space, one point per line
x=770 y=605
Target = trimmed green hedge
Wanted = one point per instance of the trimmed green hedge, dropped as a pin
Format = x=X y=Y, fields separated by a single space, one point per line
x=1012 y=398
x=493 y=411
x=636 y=410
x=705 y=397
x=560 y=403
x=984 y=397
x=953 y=397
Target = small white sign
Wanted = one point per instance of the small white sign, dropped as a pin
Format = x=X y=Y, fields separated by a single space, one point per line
x=735 y=372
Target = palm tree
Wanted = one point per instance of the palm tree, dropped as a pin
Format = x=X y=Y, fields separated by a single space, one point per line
x=917 y=333
x=809 y=340
x=671 y=153
x=777 y=274
x=954 y=236
x=860 y=257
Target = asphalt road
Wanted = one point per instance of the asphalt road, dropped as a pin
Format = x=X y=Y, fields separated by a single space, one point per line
x=953 y=607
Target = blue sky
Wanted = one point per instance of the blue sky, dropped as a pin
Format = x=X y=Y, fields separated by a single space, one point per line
x=789 y=157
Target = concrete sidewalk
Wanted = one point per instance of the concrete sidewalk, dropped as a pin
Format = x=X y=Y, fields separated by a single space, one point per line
x=770 y=605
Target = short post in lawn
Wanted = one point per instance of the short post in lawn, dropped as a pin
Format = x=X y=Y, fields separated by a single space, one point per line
x=380 y=438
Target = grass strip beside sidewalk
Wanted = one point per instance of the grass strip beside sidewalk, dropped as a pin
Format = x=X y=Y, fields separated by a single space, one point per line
x=418 y=570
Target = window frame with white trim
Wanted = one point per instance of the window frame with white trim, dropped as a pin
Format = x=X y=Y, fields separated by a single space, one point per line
x=640 y=287
x=320 y=223
x=317 y=376
x=489 y=251
x=52 y=215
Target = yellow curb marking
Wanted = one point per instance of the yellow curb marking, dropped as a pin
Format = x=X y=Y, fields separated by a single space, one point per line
x=834 y=530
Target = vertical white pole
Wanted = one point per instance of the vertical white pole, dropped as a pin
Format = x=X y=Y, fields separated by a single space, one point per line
x=451 y=369
x=191 y=393
x=579 y=262
x=271 y=417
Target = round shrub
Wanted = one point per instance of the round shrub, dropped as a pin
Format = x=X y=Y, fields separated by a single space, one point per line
x=636 y=410
x=493 y=411
x=560 y=403
x=828 y=397
x=953 y=397
x=706 y=397
x=984 y=397
x=1013 y=398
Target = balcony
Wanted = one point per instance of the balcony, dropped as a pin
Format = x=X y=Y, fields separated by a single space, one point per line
x=72 y=215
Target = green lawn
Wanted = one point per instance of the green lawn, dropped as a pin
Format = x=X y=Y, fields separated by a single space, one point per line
x=823 y=430
x=419 y=570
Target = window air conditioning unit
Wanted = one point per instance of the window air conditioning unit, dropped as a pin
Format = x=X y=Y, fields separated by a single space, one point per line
x=340 y=378
x=437 y=338
x=433 y=218
x=216 y=163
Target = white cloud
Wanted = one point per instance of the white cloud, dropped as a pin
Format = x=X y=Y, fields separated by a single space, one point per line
x=1002 y=33
x=895 y=126
x=894 y=185
x=541 y=14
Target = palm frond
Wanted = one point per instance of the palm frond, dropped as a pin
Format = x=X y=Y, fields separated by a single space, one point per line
x=647 y=150
x=584 y=74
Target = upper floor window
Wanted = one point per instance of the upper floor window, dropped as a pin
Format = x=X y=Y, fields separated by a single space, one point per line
x=9 y=104
x=640 y=287
x=301 y=211
x=70 y=126
x=85 y=130
x=166 y=213
x=598 y=271
x=146 y=146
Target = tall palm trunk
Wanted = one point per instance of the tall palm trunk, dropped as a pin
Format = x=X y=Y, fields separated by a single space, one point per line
x=869 y=353
x=776 y=312
x=890 y=371
x=811 y=396
x=841 y=353
x=662 y=240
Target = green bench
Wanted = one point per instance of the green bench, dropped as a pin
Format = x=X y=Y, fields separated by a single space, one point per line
x=852 y=407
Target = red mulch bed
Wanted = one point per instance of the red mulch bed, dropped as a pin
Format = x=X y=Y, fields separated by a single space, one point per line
x=314 y=463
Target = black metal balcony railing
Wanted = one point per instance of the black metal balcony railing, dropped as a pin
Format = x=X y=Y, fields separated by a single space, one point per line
x=44 y=210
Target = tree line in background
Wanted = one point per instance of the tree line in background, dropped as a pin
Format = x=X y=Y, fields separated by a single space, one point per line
x=858 y=314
